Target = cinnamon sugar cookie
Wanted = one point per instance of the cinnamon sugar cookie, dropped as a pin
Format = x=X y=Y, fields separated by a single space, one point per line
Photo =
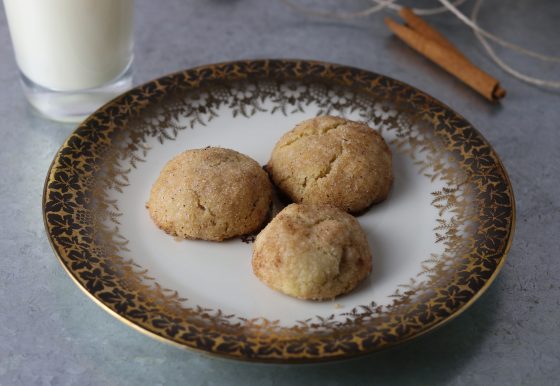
x=312 y=251
x=210 y=194
x=331 y=160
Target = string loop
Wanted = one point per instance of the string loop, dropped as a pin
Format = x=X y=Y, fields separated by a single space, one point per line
x=449 y=6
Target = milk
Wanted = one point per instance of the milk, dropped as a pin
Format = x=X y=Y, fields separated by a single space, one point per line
x=68 y=45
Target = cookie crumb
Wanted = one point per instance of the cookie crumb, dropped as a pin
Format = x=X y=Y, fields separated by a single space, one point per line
x=248 y=239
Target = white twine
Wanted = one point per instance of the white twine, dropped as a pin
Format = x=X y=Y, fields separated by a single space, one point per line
x=490 y=51
x=381 y=4
x=339 y=15
x=472 y=23
x=390 y=4
x=450 y=6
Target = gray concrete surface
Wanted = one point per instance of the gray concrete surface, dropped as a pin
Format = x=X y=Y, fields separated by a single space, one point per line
x=52 y=334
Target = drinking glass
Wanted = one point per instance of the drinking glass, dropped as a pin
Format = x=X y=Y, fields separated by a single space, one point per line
x=73 y=55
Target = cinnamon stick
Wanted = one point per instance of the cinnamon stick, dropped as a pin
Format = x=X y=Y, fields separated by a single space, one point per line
x=423 y=28
x=436 y=48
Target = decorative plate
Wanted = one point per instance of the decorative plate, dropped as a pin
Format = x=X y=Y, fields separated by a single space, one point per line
x=438 y=241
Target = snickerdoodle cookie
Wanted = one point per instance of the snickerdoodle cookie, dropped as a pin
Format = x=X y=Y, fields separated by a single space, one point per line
x=312 y=251
x=331 y=160
x=210 y=194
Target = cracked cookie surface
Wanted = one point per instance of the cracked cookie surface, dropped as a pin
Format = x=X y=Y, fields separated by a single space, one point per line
x=312 y=251
x=210 y=194
x=331 y=160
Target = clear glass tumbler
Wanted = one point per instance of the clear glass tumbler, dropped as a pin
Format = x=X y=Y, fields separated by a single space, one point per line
x=73 y=55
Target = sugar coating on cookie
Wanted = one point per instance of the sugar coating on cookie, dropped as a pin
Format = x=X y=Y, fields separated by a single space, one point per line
x=210 y=194
x=331 y=160
x=312 y=251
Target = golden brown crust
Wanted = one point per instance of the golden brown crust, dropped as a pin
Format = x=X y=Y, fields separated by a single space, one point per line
x=312 y=251
x=331 y=160
x=210 y=194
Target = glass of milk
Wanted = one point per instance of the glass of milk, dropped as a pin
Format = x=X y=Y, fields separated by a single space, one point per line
x=73 y=55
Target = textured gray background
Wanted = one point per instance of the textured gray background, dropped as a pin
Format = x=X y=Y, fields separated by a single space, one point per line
x=51 y=333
